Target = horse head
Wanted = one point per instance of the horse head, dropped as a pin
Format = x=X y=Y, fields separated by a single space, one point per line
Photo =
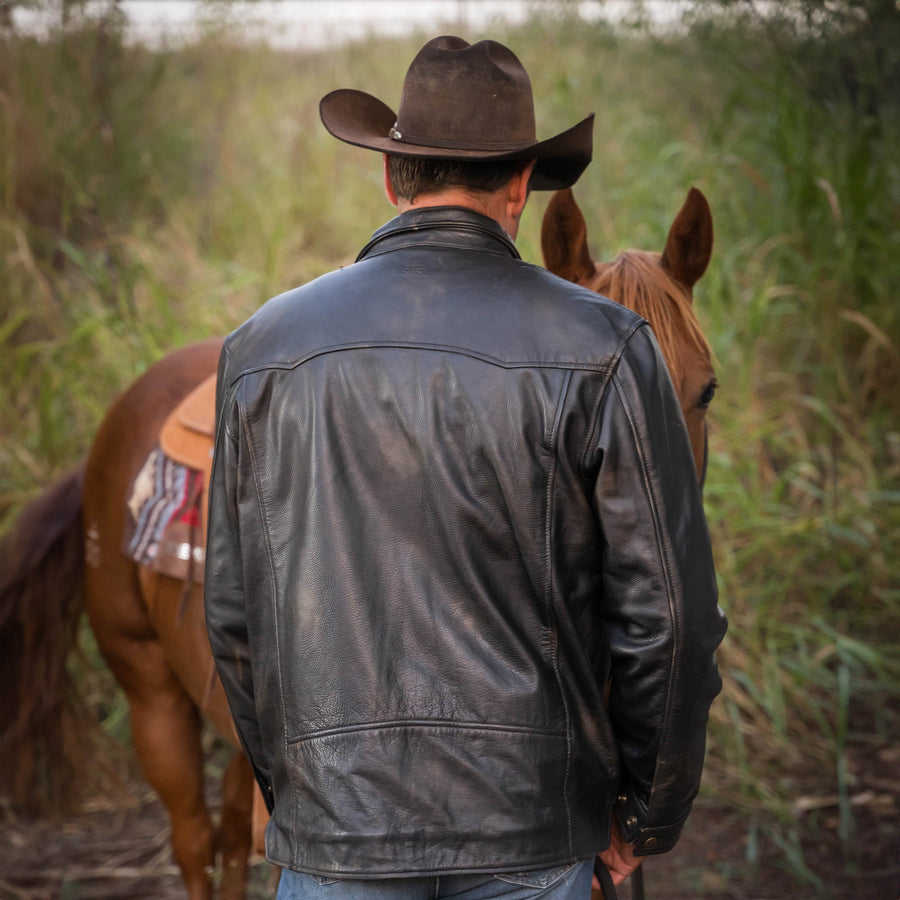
x=657 y=286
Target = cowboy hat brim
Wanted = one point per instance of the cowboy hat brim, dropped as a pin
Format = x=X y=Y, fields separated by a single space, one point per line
x=358 y=118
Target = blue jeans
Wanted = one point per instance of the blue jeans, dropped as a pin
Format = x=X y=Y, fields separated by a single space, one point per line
x=571 y=881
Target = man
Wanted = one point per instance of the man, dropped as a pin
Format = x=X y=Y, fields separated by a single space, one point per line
x=452 y=501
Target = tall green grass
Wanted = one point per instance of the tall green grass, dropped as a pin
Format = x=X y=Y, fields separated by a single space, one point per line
x=148 y=199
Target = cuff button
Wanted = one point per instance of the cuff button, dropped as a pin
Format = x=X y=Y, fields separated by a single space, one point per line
x=650 y=843
x=622 y=798
x=631 y=821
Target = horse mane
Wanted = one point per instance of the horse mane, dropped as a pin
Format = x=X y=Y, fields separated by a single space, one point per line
x=636 y=279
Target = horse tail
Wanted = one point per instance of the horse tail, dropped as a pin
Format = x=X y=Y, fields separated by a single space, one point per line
x=43 y=727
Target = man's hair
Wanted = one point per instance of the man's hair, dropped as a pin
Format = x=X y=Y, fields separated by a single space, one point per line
x=412 y=176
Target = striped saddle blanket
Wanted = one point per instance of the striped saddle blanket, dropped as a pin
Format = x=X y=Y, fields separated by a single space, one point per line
x=165 y=508
x=168 y=497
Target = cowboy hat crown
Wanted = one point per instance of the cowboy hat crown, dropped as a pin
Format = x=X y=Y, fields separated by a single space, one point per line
x=465 y=102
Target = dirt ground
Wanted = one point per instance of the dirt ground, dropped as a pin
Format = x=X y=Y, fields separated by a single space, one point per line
x=119 y=850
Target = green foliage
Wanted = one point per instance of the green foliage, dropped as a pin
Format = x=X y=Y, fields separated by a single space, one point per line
x=150 y=198
x=804 y=473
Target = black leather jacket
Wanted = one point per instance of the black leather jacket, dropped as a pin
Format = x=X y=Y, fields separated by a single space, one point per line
x=453 y=497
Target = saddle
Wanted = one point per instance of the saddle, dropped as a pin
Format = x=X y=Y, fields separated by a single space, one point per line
x=186 y=439
x=187 y=435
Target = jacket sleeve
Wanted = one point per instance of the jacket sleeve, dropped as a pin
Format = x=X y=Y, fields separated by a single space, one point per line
x=224 y=596
x=659 y=608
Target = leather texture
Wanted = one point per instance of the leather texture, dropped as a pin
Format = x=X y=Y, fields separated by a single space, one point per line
x=452 y=499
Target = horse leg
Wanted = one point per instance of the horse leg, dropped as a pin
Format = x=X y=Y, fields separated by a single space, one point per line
x=180 y=628
x=235 y=831
x=165 y=731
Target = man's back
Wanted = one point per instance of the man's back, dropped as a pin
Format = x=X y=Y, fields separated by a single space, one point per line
x=415 y=442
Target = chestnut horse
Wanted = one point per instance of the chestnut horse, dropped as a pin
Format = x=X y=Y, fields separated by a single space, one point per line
x=66 y=554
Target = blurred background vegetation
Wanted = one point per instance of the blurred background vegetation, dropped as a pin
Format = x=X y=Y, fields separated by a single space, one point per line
x=151 y=197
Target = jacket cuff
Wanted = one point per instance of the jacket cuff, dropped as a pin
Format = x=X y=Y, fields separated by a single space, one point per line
x=646 y=841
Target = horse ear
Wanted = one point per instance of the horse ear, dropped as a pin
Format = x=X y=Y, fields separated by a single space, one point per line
x=690 y=241
x=564 y=238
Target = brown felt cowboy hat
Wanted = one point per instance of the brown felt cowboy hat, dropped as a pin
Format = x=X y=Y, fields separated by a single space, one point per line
x=462 y=101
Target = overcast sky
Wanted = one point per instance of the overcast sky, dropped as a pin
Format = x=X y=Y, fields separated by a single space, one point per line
x=313 y=23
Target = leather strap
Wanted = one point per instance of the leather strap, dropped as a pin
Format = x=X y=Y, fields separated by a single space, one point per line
x=603 y=876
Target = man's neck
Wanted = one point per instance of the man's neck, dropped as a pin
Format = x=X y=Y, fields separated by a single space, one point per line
x=488 y=204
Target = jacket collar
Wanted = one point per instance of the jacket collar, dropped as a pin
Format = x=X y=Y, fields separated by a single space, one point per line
x=440 y=226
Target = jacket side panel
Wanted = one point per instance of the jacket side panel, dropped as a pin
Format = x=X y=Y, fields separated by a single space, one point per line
x=227 y=591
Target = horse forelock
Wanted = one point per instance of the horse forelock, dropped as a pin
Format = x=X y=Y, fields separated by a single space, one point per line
x=636 y=279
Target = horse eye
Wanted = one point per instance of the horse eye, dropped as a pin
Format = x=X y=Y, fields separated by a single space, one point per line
x=708 y=393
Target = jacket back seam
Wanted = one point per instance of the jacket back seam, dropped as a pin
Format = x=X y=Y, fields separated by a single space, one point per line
x=270 y=567
x=548 y=592
x=436 y=724
x=569 y=365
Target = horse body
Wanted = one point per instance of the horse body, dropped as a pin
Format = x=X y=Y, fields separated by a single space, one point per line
x=147 y=605
x=153 y=637
x=152 y=634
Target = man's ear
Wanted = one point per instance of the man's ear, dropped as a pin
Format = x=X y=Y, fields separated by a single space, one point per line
x=388 y=185
x=518 y=191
